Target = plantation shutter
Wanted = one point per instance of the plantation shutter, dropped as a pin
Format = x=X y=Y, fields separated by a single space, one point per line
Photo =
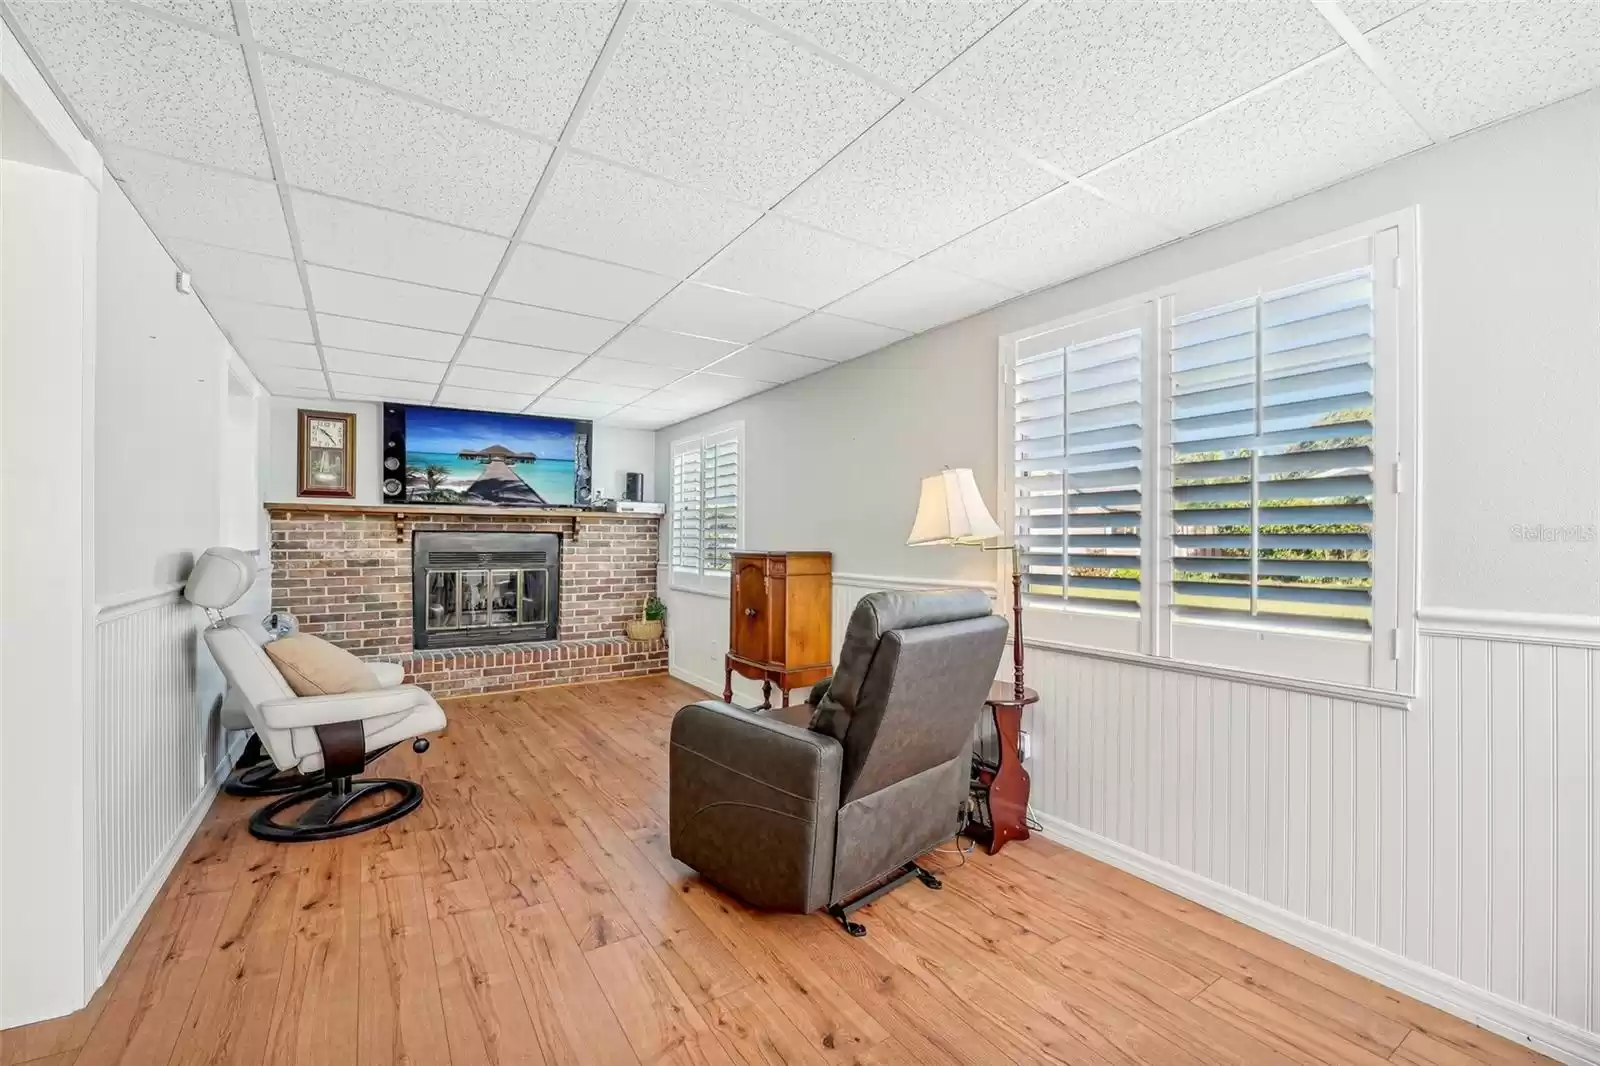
x=686 y=506
x=1078 y=469
x=721 y=480
x=1272 y=452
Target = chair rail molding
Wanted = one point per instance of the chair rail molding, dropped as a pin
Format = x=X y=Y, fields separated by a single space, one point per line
x=1524 y=627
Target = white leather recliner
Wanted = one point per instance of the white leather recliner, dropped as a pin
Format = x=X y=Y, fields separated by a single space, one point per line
x=256 y=774
x=330 y=735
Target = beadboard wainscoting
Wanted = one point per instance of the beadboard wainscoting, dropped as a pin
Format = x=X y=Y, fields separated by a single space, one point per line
x=1446 y=849
x=157 y=752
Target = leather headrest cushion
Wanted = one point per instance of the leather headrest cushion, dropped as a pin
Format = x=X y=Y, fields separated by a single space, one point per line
x=220 y=577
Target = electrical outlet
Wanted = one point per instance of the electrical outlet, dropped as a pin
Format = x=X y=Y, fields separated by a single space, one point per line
x=185 y=283
x=1024 y=746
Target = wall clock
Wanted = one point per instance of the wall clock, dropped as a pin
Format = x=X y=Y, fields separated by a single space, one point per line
x=327 y=454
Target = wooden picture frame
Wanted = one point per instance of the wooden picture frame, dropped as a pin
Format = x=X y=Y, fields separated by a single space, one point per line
x=327 y=454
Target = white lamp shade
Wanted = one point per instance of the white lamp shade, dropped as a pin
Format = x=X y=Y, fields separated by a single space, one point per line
x=951 y=511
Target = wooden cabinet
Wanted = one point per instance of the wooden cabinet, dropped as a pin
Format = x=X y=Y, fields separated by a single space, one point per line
x=780 y=621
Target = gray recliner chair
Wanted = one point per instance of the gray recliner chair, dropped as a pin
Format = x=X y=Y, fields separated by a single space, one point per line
x=829 y=804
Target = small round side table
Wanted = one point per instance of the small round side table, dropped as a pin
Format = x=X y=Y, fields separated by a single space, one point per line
x=1009 y=787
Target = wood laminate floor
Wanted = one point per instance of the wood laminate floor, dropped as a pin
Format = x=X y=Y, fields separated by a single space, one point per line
x=530 y=913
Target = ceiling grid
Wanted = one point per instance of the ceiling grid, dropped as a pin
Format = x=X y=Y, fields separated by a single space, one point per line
x=717 y=196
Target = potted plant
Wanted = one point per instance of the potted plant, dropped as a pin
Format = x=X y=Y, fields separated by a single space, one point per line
x=649 y=627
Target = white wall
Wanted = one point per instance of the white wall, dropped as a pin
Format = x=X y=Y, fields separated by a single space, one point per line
x=161 y=389
x=1444 y=848
x=47 y=578
x=615 y=451
x=176 y=471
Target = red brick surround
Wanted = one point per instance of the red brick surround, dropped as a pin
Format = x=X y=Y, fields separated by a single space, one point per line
x=344 y=571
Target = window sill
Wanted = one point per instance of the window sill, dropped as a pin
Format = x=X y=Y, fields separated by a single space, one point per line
x=1356 y=693
x=714 y=588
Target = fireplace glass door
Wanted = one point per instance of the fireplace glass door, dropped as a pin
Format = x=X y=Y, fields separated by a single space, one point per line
x=480 y=589
x=473 y=599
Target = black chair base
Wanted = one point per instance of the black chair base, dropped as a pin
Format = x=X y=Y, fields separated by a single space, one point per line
x=256 y=775
x=325 y=806
x=840 y=912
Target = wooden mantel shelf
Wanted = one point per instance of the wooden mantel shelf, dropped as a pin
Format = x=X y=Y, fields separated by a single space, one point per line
x=401 y=513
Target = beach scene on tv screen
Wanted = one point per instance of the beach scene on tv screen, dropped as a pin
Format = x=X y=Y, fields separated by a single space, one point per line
x=477 y=457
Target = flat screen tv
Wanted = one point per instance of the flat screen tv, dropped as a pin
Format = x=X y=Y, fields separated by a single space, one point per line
x=441 y=455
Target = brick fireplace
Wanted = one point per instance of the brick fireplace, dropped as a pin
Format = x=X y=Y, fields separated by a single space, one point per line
x=345 y=571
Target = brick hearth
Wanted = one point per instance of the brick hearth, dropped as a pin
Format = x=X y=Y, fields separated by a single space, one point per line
x=344 y=571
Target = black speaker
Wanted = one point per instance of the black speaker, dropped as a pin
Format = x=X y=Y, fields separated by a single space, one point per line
x=394 y=454
x=633 y=487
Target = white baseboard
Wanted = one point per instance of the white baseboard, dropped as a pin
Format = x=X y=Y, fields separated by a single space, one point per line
x=155 y=879
x=1550 y=1036
x=714 y=685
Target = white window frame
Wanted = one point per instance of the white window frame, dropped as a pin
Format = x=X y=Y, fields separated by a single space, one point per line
x=699 y=579
x=1383 y=663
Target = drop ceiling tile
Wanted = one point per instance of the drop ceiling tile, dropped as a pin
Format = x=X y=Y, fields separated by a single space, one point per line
x=463 y=55
x=1082 y=83
x=338 y=233
x=277 y=378
x=301 y=394
x=906 y=43
x=350 y=139
x=341 y=361
x=623 y=372
x=701 y=96
x=147 y=82
x=594 y=208
x=640 y=344
x=1367 y=14
x=913 y=182
x=566 y=282
x=638 y=418
x=240 y=275
x=1059 y=236
x=264 y=321
x=596 y=393
x=279 y=353
x=400 y=303
x=217 y=13
x=518 y=358
x=830 y=337
x=707 y=387
x=354 y=386
x=181 y=201
x=477 y=377
x=919 y=297
x=483 y=399
x=1322 y=125
x=556 y=407
x=708 y=312
x=1469 y=64
x=544 y=328
x=380 y=338
x=785 y=261
x=764 y=365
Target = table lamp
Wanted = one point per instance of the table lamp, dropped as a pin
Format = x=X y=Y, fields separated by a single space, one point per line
x=951 y=511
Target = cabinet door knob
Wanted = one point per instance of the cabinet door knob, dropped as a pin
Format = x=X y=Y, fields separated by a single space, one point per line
x=749 y=612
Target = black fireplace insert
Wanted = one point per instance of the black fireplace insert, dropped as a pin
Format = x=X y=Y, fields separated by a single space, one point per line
x=476 y=589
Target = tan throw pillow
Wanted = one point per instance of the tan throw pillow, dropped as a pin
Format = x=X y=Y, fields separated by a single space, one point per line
x=313 y=667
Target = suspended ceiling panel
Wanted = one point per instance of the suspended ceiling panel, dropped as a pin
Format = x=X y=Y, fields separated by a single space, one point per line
x=639 y=210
